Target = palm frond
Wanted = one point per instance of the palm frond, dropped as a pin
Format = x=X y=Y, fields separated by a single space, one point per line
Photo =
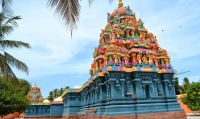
x=5 y=4
x=6 y=71
x=4 y=44
x=68 y=10
x=11 y=21
x=5 y=30
x=9 y=59
x=90 y=2
x=7 y=24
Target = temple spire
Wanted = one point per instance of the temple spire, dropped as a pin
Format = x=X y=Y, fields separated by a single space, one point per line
x=120 y=3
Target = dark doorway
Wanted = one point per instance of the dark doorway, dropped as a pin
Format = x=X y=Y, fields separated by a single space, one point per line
x=147 y=92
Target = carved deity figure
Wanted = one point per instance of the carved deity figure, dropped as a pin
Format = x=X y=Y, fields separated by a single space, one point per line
x=100 y=63
x=139 y=58
x=105 y=60
x=166 y=61
x=123 y=49
x=140 y=23
x=150 y=59
x=115 y=58
x=133 y=58
x=144 y=59
x=126 y=59
x=122 y=23
x=127 y=33
x=156 y=62
x=112 y=36
x=136 y=34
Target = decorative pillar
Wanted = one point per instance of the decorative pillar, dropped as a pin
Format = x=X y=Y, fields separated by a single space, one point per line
x=138 y=88
x=165 y=82
x=100 y=91
x=122 y=86
x=173 y=87
x=112 y=84
x=156 y=86
x=117 y=87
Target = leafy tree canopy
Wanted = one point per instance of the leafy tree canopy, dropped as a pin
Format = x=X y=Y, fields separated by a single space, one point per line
x=192 y=97
x=12 y=99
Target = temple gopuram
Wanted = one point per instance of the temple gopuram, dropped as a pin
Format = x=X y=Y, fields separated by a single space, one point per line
x=131 y=75
x=35 y=96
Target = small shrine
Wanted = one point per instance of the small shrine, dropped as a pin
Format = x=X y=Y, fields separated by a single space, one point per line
x=35 y=95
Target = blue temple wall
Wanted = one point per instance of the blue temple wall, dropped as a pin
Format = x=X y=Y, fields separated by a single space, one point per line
x=120 y=93
x=117 y=93
x=56 y=109
x=72 y=103
x=38 y=110
x=44 y=110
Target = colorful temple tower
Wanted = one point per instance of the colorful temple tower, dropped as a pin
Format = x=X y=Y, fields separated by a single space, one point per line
x=131 y=78
x=131 y=75
x=35 y=96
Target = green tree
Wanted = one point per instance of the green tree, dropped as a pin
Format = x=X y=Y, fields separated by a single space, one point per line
x=56 y=93
x=186 y=85
x=178 y=88
x=11 y=100
x=24 y=86
x=50 y=97
x=192 y=97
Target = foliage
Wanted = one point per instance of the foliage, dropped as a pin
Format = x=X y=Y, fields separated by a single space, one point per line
x=7 y=25
x=56 y=93
x=186 y=85
x=192 y=97
x=12 y=100
x=178 y=88
x=181 y=89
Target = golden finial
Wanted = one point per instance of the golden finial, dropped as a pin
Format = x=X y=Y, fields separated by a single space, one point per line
x=120 y=3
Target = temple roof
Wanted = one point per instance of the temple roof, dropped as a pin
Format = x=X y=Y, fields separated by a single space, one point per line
x=46 y=102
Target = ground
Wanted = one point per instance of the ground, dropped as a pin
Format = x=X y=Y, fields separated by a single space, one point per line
x=193 y=117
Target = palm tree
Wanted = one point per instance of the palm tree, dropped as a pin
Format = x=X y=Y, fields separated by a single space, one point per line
x=50 y=97
x=7 y=25
x=67 y=10
x=186 y=85
x=55 y=91
x=177 y=86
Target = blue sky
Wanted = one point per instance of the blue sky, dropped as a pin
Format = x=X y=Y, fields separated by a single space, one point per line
x=56 y=60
